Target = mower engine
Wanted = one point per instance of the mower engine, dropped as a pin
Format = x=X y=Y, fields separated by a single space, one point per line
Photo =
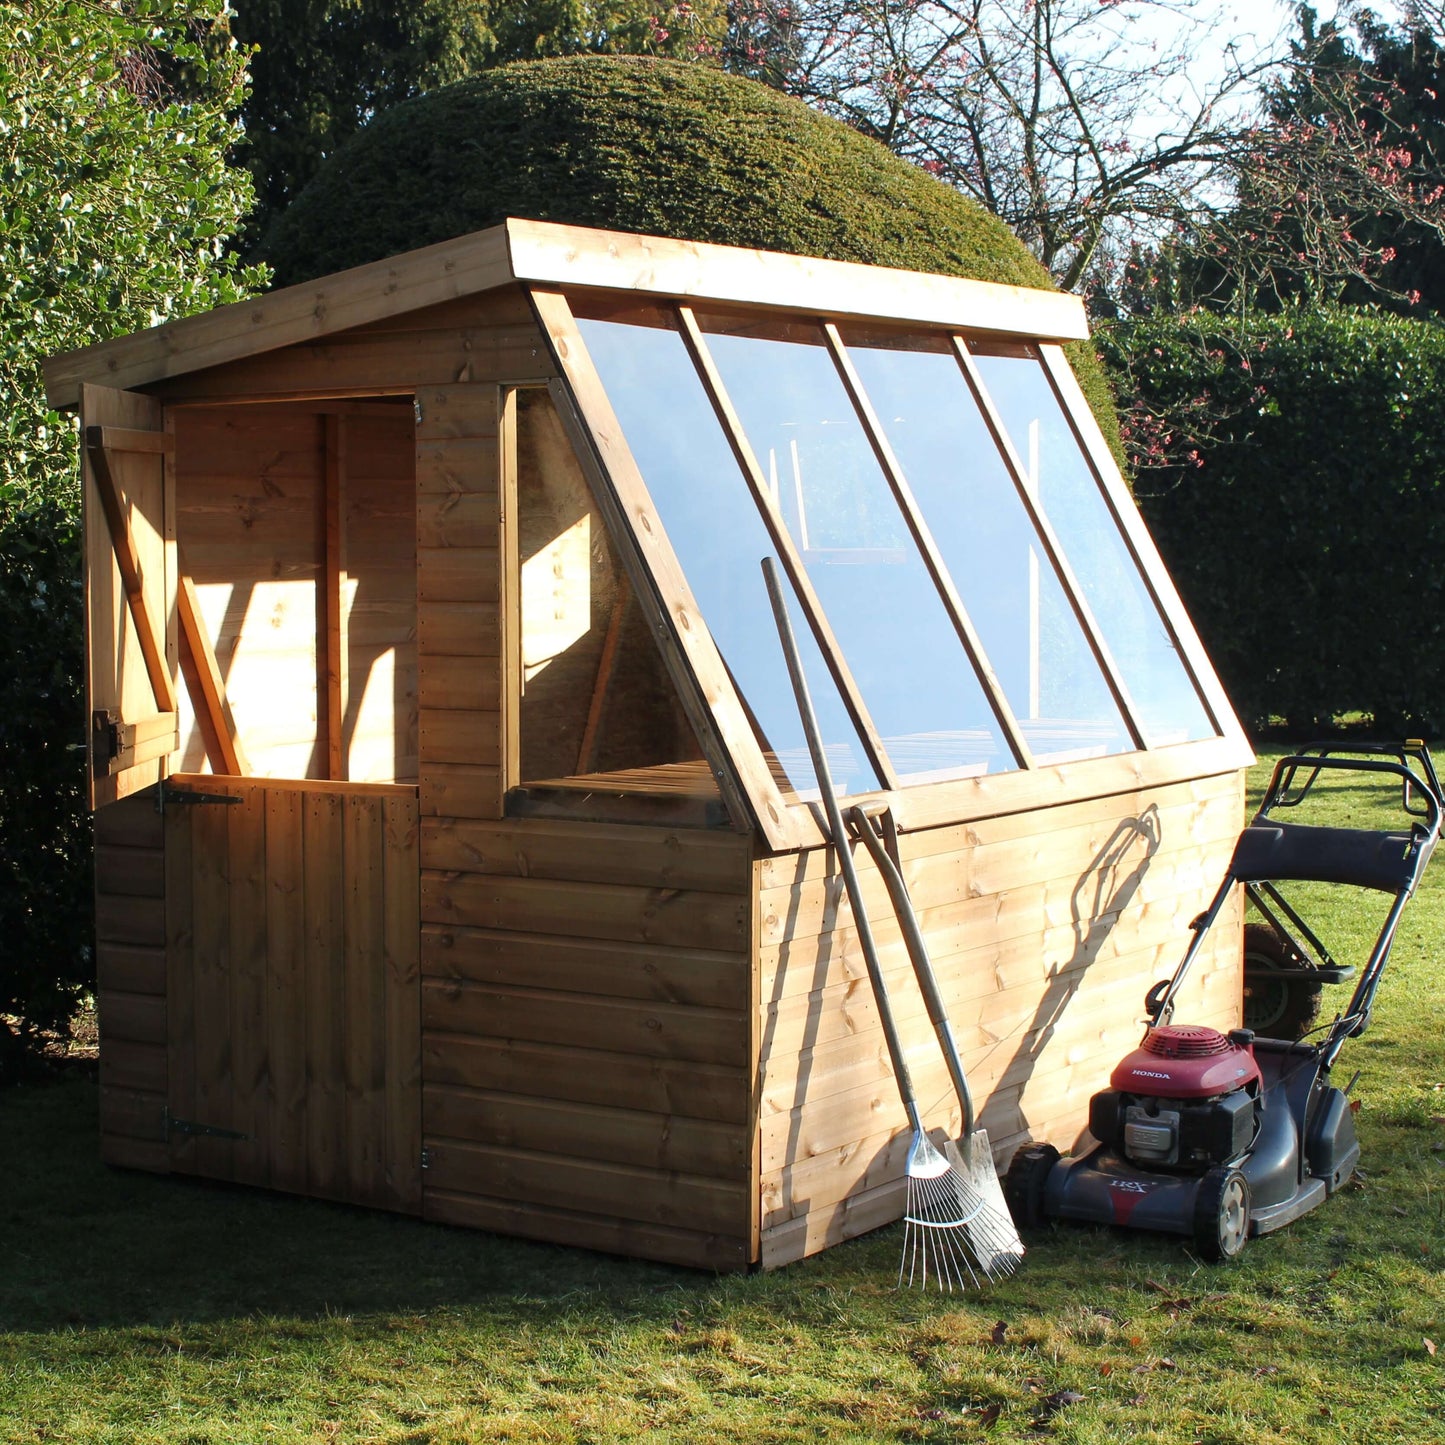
x=1187 y=1098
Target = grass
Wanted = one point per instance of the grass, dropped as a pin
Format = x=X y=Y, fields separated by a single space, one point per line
x=140 y=1309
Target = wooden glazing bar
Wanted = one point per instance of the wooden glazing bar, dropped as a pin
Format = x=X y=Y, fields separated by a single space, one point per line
x=510 y=598
x=1050 y=543
x=149 y=636
x=788 y=553
x=932 y=558
x=1146 y=555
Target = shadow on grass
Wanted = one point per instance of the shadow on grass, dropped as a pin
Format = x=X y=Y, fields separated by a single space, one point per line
x=87 y=1245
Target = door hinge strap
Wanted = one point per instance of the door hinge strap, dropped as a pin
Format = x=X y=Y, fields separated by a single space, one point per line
x=189 y=797
x=191 y=1129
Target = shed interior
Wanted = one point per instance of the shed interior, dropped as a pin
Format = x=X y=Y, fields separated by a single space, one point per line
x=459 y=846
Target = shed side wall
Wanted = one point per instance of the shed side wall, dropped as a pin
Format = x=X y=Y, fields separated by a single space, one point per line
x=586 y=1047
x=1046 y=929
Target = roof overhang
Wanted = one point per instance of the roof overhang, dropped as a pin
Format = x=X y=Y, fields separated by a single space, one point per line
x=541 y=253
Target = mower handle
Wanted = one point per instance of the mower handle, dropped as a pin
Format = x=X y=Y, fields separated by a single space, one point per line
x=1281 y=792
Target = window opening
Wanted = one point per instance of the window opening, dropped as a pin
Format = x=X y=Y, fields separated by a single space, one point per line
x=297 y=525
x=596 y=700
x=1164 y=696
x=719 y=536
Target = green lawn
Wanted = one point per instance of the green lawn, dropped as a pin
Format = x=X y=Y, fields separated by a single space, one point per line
x=142 y=1309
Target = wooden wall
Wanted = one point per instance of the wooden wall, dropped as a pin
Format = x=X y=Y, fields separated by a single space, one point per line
x=1046 y=929
x=586 y=1035
x=459 y=639
x=130 y=956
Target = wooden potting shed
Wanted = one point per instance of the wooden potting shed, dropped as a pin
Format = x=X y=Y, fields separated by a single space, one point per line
x=458 y=848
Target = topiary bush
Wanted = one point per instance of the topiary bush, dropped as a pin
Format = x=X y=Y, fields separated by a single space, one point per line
x=1307 y=537
x=637 y=144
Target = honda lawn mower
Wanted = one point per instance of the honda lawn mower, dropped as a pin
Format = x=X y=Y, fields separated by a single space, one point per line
x=1222 y=1136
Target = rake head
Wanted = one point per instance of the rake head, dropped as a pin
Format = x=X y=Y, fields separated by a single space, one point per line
x=954 y=1236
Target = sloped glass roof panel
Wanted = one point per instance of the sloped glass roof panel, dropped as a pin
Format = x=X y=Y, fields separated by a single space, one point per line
x=973 y=510
x=916 y=681
x=1166 y=702
x=718 y=535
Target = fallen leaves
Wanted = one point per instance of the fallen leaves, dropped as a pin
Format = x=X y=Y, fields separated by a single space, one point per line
x=1430 y=1348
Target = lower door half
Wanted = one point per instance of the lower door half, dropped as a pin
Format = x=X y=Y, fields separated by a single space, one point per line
x=293 y=1009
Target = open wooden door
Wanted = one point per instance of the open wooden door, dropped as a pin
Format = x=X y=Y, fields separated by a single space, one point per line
x=130 y=592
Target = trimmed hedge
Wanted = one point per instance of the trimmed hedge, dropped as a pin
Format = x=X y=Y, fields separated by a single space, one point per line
x=1307 y=541
x=630 y=143
x=665 y=147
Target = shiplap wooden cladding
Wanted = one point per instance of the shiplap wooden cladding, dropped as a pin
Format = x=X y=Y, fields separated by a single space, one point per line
x=447 y=858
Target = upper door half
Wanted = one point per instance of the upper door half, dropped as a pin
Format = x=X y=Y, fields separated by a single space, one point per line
x=130 y=592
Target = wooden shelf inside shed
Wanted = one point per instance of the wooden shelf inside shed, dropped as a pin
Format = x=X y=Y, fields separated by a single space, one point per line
x=684 y=794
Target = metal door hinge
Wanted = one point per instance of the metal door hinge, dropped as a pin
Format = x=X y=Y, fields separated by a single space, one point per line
x=426 y=1158
x=189 y=797
x=190 y=1129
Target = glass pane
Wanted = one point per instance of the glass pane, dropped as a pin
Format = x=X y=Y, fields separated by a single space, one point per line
x=1167 y=701
x=1030 y=634
x=714 y=527
x=892 y=627
x=596 y=697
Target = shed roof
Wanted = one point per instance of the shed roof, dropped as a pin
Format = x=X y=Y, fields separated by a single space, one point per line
x=542 y=253
x=985 y=612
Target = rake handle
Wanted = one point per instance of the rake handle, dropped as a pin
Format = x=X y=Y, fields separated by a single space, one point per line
x=922 y=964
x=838 y=838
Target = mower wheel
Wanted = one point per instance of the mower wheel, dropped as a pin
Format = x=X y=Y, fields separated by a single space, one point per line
x=1221 y=1214
x=1023 y=1185
x=1274 y=1007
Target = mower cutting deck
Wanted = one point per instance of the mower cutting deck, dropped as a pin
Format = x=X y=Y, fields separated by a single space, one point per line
x=1221 y=1137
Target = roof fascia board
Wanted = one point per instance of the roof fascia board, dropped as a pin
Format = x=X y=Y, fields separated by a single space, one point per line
x=446 y=271
x=553 y=255
x=548 y=254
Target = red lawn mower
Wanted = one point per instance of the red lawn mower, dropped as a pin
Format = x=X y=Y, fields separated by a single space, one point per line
x=1220 y=1137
